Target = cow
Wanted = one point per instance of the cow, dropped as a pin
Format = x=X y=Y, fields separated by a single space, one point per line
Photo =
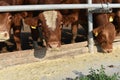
x=105 y=35
x=104 y=31
x=11 y=20
x=69 y=17
x=50 y=22
x=38 y=20
x=5 y=23
x=102 y=27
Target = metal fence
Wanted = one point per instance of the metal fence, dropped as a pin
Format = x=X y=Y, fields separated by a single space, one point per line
x=88 y=6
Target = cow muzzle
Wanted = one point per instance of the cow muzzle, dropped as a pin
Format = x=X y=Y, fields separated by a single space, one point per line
x=4 y=35
x=53 y=45
x=107 y=50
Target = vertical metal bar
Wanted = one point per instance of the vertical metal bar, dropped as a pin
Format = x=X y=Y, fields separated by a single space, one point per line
x=90 y=28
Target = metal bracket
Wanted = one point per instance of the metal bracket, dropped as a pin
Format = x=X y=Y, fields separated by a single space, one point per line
x=102 y=10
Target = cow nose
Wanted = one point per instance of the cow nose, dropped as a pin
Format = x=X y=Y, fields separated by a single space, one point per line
x=108 y=50
x=54 y=44
x=4 y=35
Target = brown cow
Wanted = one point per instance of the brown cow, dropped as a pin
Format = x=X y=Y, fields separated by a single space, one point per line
x=11 y=20
x=105 y=35
x=51 y=37
x=102 y=27
x=51 y=25
x=5 y=23
x=70 y=17
x=50 y=22
x=104 y=30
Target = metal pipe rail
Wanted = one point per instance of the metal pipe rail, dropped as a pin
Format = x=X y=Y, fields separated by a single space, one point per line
x=90 y=28
x=55 y=6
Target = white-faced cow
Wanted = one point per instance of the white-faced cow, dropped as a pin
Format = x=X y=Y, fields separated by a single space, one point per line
x=50 y=22
x=69 y=17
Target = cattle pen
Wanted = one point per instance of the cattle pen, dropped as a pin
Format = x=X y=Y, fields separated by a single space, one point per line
x=42 y=56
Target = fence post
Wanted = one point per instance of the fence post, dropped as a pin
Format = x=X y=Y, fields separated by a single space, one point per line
x=90 y=28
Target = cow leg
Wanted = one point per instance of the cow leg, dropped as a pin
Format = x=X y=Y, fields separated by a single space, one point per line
x=17 y=37
x=74 y=32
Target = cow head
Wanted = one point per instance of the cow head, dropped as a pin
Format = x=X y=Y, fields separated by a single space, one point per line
x=105 y=36
x=51 y=25
x=5 y=23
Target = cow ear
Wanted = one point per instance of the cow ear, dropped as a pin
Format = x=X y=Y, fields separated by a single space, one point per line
x=95 y=33
x=98 y=30
x=111 y=17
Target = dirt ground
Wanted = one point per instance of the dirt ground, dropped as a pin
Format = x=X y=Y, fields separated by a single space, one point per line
x=64 y=68
x=64 y=64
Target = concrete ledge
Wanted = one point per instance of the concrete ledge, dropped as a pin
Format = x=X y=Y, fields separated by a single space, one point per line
x=29 y=56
